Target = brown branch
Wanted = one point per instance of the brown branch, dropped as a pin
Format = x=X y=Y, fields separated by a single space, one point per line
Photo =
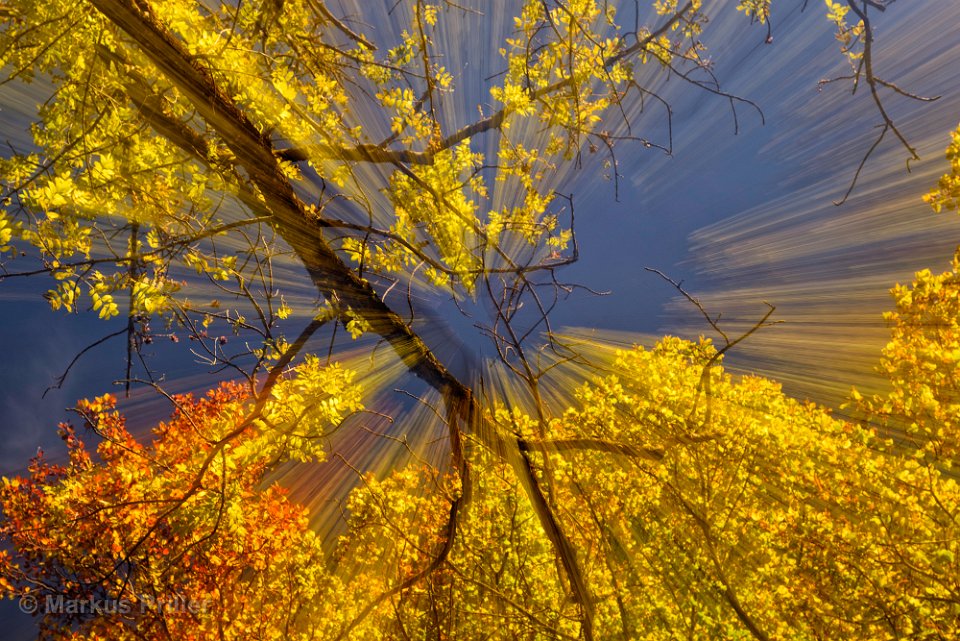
x=254 y=152
x=377 y=154
x=873 y=82
x=63 y=377
x=296 y=224
x=561 y=543
x=456 y=409
x=590 y=444
x=863 y=163
x=133 y=273
x=703 y=386
x=641 y=45
x=321 y=9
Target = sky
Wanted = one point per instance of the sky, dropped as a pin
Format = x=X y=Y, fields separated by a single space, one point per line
x=739 y=218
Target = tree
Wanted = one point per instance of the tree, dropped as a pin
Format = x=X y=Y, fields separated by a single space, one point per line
x=183 y=138
x=771 y=520
x=171 y=540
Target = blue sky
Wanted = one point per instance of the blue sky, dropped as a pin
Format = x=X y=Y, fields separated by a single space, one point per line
x=703 y=215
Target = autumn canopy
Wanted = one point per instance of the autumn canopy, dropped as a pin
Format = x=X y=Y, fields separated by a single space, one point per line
x=290 y=188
